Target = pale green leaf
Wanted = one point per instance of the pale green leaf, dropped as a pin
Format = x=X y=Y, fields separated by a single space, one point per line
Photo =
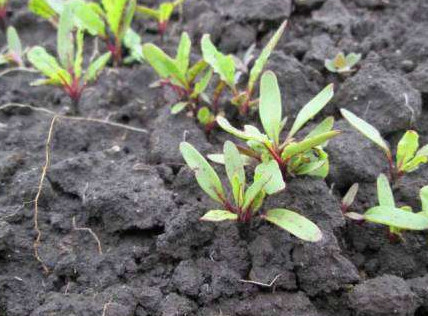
x=42 y=9
x=65 y=41
x=254 y=190
x=397 y=218
x=196 y=69
x=219 y=216
x=183 y=53
x=78 y=60
x=352 y=59
x=153 y=13
x=367 y=130
x=132 y=41
x=423 y=151
x=223 y=65
x=294 y=223
x=272 y=171
x=384 y=192
x=264 y=56
x=205 y=116
x=329 y=64
x=270 y=106
x=406 y=148
x=219 y=158
x=202 y=84
x=13 y=42
x=354 y=216
x=207 y=178
x=87 y=18
x=413 y=164
x=349 y=197
x=423 y=193
x=249 y=133
x=178 y=107
x=325 y=126
x=96 y=67
x=234 y=170
x=311 y=109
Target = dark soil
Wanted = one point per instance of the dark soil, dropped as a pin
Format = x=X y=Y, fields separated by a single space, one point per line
x=134 y=192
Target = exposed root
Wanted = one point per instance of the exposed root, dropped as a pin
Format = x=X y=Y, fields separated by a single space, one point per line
x=105 y=308
x=90 y=231
x=260 y=283
x=56 y=117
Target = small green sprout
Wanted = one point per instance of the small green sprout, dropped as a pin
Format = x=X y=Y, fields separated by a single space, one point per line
x=304 y=157
x=409 y=156
x=162 y=14
x=349 y=198
x=110 y=21
x=341 y=63
x=246 y=201
x=66 y=71
x=14 y=52
x=387 y=213
x=225 y=67
x=188 y=82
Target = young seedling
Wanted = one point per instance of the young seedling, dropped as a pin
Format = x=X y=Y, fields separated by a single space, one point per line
x=349 y=198
x=66 y=72
x=409 y=156
x=293 y=157
x=110 y=21
x=14 y=52
x=162 y=14
x=246 y=202
x=225 y=67
x=188 y=82
x=341 y=63
x=387 y=213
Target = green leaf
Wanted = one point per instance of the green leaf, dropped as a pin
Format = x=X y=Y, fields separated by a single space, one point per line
x=78 y=60
x=183 y=52
x=96 y=67
x=294 y=223
x=13 y=42
x=295 y=148
x=219 y=216
x=223 y=65
x=178 y=107
x=311 y=109
x=234 y=170
x=406 y=148
x=367 y=130
x=48 y=65
x=397 y=218
x=119 y=14
x=329 y=64
x=413 y=164
x=423 y=193
x=249 y=132
x=205 y=116
x=202 y=84
x=355 y=216
x=323 y=166
x=132 y=41
x=148 y=12
x=270 y=106
x=65 y=41
x=349 y=197
x=42 y=9
x=264 y=56
x=207 y=178
x=270 y=170
x=165 y=11
x=87 y=18
x=384 y=192
x=423 y=151
x=254 y=190
x=352 y=59
x=325 y=126
x=219 y=158
x=196 y=69
x=164 y=65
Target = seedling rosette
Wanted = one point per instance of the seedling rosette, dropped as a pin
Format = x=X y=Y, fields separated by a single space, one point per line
x=341 y=63
x=189 y=82
x=225 y=67
x=162 y=14
x=66 y=71
x=247 y=201
x=408 y=157
x=398 y=219
x=14 y=52
x=303 y=157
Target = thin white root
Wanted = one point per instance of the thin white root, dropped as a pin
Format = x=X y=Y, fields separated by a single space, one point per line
x=90 y=231
x=260 y=283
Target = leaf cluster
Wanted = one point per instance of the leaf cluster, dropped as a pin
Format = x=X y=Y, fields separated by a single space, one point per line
x=162 y=14
x=66 y=70
x=387 y=213
x=408 y=156
x=295 y=157
x=247 y=201
x=341 y=63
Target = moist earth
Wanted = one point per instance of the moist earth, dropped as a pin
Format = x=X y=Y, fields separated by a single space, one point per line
x=134 y=192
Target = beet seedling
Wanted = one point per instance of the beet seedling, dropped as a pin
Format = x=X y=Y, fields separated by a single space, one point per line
x=225 y=67
x=349 y=198
x=246 y=201
x=293 y=157
x=162 y=14
x=387 y=213
x=14 y=52
x=110 y=21
x=409 y=156
x=188 y=82
x=66 y=71
x=341 y=63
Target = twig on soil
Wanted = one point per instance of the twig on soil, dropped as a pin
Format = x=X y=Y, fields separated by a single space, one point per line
x=90 y=231
x=105 y=307
x=36 y=244
x=10 y=70
x=260 y=283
